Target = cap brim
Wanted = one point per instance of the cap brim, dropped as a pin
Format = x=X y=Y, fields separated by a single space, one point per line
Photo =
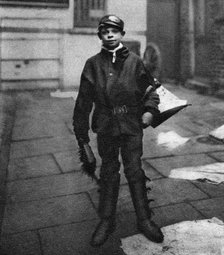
x=108 y=23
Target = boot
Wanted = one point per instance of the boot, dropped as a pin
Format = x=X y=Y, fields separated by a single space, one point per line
x=109 y=191
x=145 y=225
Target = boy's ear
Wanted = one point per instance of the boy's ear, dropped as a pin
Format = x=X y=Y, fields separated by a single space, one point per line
x=123 y=33
x=99 y=35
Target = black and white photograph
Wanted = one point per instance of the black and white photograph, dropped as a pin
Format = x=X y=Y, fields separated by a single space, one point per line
x=111 y=127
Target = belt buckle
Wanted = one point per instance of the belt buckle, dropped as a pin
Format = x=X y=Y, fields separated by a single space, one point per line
x=120 y=110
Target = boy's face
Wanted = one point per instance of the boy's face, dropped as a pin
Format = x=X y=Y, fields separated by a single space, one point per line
x=111 y=36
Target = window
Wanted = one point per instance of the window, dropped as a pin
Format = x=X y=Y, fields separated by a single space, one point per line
x=88 y=12
x=39 y=3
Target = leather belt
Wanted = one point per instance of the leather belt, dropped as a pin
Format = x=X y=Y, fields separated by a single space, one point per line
x=120 y=110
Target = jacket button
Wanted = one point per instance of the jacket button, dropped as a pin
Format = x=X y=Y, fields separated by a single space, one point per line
x=110 y=74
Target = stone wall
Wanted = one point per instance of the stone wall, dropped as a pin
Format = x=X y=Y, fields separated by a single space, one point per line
x=218 y=54
x=212 y=41
x=75 y=44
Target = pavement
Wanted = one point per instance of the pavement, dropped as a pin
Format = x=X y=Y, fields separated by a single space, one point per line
x=49 y=207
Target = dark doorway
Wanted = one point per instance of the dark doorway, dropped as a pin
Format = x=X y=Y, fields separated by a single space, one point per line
x=163 y=31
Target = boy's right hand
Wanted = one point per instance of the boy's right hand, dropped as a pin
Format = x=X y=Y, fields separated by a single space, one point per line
x=147 y=118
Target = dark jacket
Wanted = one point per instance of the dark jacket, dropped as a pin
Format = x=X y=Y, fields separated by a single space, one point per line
x=110 y=86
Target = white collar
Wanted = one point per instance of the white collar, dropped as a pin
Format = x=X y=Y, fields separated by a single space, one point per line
x=114 y=51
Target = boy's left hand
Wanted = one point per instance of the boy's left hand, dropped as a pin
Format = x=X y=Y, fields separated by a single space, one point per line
x=147 y=119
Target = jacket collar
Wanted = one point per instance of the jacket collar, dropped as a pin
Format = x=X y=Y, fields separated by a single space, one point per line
x=118 y=54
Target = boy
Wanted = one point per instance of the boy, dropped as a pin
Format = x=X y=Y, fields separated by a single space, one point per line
x=115 y=80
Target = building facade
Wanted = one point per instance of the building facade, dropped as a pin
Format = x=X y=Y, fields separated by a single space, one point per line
x=44 y=44
x=189 y=35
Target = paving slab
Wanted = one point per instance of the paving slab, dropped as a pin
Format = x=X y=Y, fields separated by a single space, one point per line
x=69 y=125
x=218 y=155
x=211 y=117
x=25 y=216
x=150 y=144
x=41 y=100
x=152 y=150
x=23 y=168
x=213 y=190
x=150 y=172
x=39 y=129
x=171 y=214
x=165 y=164
x=124 y=202
x=68 y=160
x=30 y=131
x=55 y=114
x=218 y=105
x=195 y=128
x=208 y=114
x=123 y=178
x=32 y=114
x=26 y=243
x=172 y=191
x=213 y=207
x=197 y=145
x=42 y=146
x=214 y=122
x=73 y=239
x=170 y=125
x=48 y=186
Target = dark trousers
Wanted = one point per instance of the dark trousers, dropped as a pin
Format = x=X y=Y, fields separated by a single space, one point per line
x=130 y=148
